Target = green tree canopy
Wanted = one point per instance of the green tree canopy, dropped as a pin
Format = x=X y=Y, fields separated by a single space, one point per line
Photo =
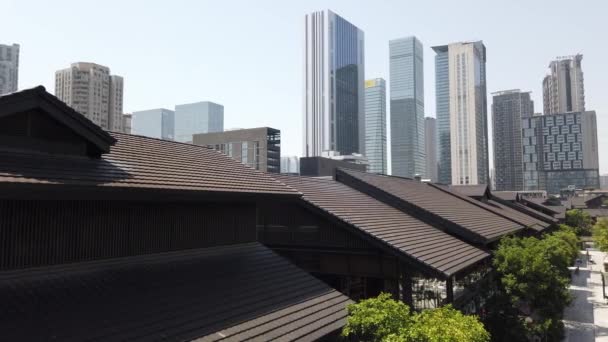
x=579 y=220
x=385 y=319
x=600 y=234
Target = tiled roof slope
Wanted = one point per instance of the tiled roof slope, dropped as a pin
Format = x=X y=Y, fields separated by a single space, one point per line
x=440 y=203
x=470 y=190
x=230 y=293
x=527 y=210
x=409 y=237
x=506 y=195
x=138 y=162
x=519 y=216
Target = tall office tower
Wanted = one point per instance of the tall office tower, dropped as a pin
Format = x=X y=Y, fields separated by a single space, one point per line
x=290 y=165
x=127 y=120
x=9 y=68
x=560 y=152
x=198 y=117
x=155 y=123
x=508 y=108
x=92 y=91
x=334 y=117
x=407 y=107
x=375 y=125
x=460 y=89
x=563 y=88
x=430 y=148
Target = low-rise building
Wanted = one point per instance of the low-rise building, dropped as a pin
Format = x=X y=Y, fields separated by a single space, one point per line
x=259 y=148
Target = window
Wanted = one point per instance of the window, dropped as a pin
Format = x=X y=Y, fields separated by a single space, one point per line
x=244 y=152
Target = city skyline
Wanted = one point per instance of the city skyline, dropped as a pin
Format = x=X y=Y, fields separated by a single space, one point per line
x=247 y=109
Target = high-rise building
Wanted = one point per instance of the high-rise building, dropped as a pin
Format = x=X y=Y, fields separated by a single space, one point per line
x=92 y=91
x=155 y=123
x=127 y=120
x=563 y=88
x=508 y=108
x=290 y=165
x=430 y=148
x=407 y=107
x=334 y=117
x=604 y=182
x=560 y=152
x=460 y=89
x=9 y=68
x=375 y=125
x=195 y=118
x=259 y=148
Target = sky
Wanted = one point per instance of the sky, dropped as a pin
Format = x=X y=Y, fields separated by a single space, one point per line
x=248 y=55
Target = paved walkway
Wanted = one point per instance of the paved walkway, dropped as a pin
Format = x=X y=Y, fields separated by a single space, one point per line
x=586 y=319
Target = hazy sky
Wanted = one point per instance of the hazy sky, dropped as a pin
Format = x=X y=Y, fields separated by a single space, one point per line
x=247 y=55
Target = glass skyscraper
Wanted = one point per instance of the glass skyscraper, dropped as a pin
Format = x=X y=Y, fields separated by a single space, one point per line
x=375 y=125
x=460 y=81
x=155 y=123
x=333 y=85
x=199 y=117
x=430 y=147
x=407 y=107
x=508 y=108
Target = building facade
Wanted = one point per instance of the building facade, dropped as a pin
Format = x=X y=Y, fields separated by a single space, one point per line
x=604 y=182
x=90 y=89
x=155 y=123
x=460 y=81
x=560 y=151
x=375 y=125
x=198 y=117
x=259 y=148
x=9 y=68
x=430 y=148
x=563 y=87
x=333 y=85
x=127 y=123
x=290 y=165
x=407 y=107
x=508 y=109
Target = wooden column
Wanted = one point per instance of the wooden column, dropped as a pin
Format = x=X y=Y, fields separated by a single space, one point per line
x=449 y=288
x=406 y=286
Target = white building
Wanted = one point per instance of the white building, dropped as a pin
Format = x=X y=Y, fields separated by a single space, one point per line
x=462 y=113
x=92 y=91
x=9 y=68
x=333 y=85
x=563 y=88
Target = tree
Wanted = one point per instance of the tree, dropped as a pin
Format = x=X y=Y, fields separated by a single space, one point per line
x=376 y=318
x=534 y=275
x=446 y=324
x=579 y=220
x=385 y=319
x=600 y=234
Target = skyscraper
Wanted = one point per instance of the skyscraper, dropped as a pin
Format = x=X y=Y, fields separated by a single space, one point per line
x=407 y=107
x=375 y=125
x=92 y=91
x=155 y=123
x=198 y=117
x=508 y=108
x=9 y=68
x=430 y=148
x=563 y=88
x=560 y=151
x=460 y=81
x=333 y=85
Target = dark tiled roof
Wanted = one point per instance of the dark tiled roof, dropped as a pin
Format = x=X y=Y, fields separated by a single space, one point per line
x=519 y=216
x=506 y=195
x=137 y=162
x=540 y=203
x=527 y=210
x=595 y=213
x=407 y=236
x=38 y=97
x=440 y=203
x=230 y=293
x=470 y=190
